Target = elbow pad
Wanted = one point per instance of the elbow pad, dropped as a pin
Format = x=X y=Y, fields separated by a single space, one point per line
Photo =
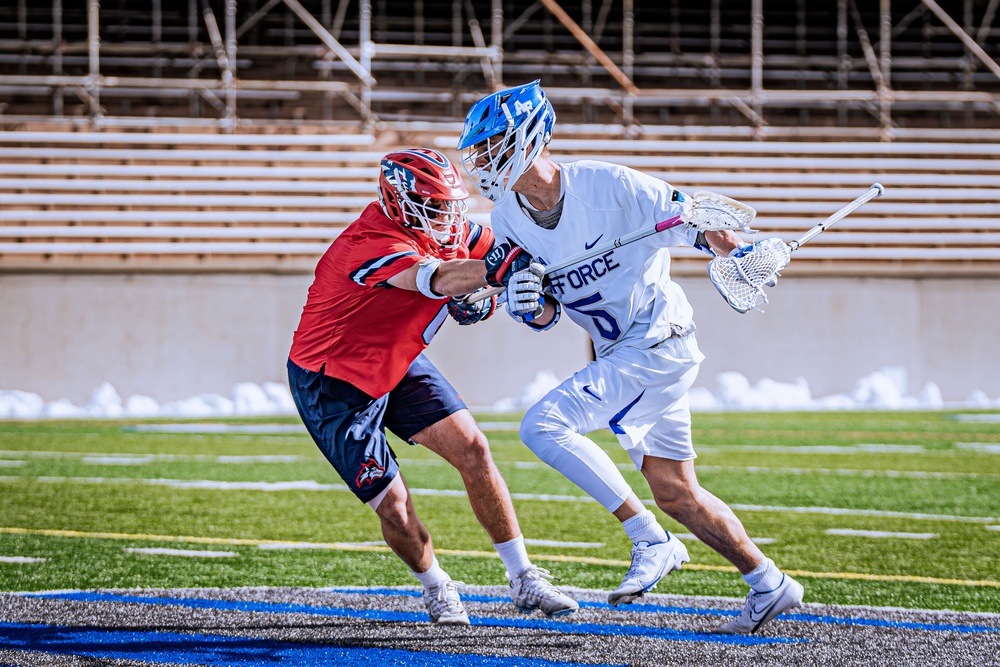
x=424 y=274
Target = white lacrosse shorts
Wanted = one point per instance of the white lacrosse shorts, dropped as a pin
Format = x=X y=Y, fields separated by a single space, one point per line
x=641 y=395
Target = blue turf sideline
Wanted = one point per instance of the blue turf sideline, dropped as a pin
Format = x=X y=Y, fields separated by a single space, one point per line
x=703 y=611
x=207 y=649
x=568 y=627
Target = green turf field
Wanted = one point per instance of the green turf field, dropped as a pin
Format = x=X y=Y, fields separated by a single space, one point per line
x=879 y=508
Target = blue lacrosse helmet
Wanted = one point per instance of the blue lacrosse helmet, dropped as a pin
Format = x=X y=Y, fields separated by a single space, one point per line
x=504 y=133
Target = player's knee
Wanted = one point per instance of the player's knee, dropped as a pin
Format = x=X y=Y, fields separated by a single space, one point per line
x=396 y=510
x=473 y=455
x=675 y=498
x=392 y=509
x=541 y=425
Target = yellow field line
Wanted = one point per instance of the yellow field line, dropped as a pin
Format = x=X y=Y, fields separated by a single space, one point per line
x=587 y=560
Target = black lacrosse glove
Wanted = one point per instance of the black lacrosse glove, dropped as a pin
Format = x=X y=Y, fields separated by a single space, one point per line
x=503 y=261
x=470 y=313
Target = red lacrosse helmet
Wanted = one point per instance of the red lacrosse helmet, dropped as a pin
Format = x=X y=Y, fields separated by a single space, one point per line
x=419 y=188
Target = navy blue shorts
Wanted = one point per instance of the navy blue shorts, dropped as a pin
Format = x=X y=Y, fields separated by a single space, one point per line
x=349 y=426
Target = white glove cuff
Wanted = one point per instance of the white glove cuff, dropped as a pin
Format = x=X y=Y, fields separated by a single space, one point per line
x=555 y=318
x=740 y=249
x=424 y=274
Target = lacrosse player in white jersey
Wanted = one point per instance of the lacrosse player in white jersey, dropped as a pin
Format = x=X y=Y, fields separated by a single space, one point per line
x=643 y=332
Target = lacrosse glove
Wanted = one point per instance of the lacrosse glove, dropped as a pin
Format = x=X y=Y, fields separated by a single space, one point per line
x=470 y=313
x=503 y=261
x=524 y=294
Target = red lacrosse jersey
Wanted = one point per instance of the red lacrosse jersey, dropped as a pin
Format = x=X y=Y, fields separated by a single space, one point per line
x=358 y=328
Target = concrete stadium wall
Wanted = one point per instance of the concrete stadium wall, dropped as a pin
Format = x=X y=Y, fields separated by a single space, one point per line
x=173 y=336
x=833 y=331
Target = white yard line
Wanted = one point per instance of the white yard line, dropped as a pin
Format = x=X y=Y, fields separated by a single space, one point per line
x=847 y=472
x=280 y=546
x=189 y=553
x=978 y=417
x=311 y=485
x=500 y=426
x=988 y=447
x=862 y=448
x=847 y=532
x=96 y=458
x=755 y=540
x=859 y=512
x=554 y=543
x=93 y=458
x=217 y=428
x=21 y=559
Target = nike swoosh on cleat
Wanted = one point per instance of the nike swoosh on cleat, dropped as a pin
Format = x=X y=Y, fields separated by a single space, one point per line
x=588 y=246
x=757 y=615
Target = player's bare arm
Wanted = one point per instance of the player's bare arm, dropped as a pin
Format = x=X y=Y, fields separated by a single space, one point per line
x=723 y=242
x=548 y=314
x=451 y=278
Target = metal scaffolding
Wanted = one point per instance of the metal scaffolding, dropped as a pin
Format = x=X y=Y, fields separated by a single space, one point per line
x=770 y=69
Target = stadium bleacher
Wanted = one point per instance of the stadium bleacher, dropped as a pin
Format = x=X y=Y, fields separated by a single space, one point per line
x=154 y=201
x=218 y=202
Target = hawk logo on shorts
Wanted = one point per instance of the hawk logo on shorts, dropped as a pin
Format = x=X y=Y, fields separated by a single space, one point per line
x=370 y=471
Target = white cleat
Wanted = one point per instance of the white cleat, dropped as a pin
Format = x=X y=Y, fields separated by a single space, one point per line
x=761 y=607
x=650 y=563
x=444 y=606
x=532 y=590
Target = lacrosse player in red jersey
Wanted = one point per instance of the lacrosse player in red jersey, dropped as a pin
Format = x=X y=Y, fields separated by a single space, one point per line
x=356 y=368
x=643 y=332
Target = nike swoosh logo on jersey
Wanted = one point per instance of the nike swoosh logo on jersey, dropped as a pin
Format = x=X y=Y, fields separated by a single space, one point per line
x=588 y=246
x=586 y=388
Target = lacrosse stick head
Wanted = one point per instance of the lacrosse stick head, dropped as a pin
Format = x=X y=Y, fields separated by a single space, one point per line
x=504 y=132
x=422 y=190
x=710 y=211
x=741 y=279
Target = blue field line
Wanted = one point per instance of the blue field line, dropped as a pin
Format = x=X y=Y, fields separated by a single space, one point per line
x=207 y=649
x=421 y=617
x=702 y=611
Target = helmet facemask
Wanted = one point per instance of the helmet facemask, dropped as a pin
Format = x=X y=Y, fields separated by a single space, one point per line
x=504 y=134
x=441 y=219
x=496 y=163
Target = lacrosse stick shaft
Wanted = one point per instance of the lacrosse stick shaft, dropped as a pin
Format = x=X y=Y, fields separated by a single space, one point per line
x=615 y=243
x=873 y=192
x=587 y=254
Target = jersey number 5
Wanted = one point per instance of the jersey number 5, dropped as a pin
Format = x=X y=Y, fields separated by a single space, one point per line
x=605 y=322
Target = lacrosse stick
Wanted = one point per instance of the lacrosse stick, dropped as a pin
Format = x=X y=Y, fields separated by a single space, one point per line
x=741 y=279
x=705 y=211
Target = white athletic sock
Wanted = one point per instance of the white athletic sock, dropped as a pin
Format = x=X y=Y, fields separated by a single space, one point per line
x=514 y=555
x=765 y=577
x=644 y=527
x=434 y=576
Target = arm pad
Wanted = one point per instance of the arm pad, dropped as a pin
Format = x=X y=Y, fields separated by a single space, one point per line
x=424 y=274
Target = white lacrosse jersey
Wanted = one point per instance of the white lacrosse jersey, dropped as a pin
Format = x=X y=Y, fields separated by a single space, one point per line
x=623 y=296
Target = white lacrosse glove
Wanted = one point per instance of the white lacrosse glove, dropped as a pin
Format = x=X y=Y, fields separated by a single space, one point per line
x=524 y=293
x=741 y=277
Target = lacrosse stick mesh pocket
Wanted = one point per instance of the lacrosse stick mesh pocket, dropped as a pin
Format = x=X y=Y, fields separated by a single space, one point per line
x=740 y=294
x=709 y=211
x=741 y=280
